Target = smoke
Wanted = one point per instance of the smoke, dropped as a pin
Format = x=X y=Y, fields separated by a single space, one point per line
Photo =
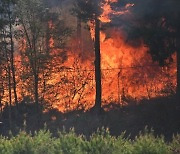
x=54 y=3
x=152 y=22
x=146 y=12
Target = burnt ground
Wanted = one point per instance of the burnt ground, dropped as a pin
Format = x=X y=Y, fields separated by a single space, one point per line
x=161 y=114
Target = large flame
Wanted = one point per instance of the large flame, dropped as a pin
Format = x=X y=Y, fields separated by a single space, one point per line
x=68 y=82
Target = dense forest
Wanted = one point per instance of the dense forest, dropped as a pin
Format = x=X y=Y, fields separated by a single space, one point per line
x=90 y=63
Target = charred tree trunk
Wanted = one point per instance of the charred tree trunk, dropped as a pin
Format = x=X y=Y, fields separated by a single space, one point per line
x=8 y=70
x=178 y=68
x=36 y=79
x=97 y=66
x=14 y=79
x=10 y=98
x=12 y=56
x=35 y=72
x=36 y=93
x=12 y=66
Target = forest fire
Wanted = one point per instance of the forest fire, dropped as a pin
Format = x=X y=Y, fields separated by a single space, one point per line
x=68 y=83
x=79 y=76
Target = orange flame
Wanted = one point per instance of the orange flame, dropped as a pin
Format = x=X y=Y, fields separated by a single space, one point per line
x=68 y=81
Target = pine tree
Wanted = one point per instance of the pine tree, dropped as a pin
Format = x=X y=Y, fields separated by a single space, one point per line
x=90 y=10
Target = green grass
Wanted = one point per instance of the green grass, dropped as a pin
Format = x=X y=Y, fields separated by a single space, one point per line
x=100 y=142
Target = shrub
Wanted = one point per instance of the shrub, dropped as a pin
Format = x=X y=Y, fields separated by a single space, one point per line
x=123 y=145
x=175 y=145
x=147 y=143
x=5 y=146
x=44 y=142
x=100 y=142
x=69 y=143
x=22 y=144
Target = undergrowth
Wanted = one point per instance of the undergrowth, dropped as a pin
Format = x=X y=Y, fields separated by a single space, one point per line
x=101 y=142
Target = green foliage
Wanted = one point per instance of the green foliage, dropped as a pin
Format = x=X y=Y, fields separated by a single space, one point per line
x=22 y=144
x=147 y=143
x=5 y=146
x=101 y=142
x=43 y=142
x=175 y=145
x=123 y=145
x=69 y=143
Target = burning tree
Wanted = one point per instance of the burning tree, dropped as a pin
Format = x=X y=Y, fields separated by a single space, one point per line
x=41 y=30
x=60 y=71
x=90 y=10
x=7 y=53
x=7 y=33
x=157 y=24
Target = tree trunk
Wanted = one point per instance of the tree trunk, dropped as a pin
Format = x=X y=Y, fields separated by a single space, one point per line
x=97 y=66
x=14 y=80
x=36 y=93
x=13 y=72
x=12 y=58
x=9 y=105
x=35 y=73
x=10 y=98
x=178 y=68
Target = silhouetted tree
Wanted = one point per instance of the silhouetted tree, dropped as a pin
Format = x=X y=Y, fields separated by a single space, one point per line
x=7 y=52
x=90 y=10
x=7 y=19
x=37 y=25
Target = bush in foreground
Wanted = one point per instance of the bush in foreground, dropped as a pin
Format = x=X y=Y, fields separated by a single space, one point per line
x=100 y=142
